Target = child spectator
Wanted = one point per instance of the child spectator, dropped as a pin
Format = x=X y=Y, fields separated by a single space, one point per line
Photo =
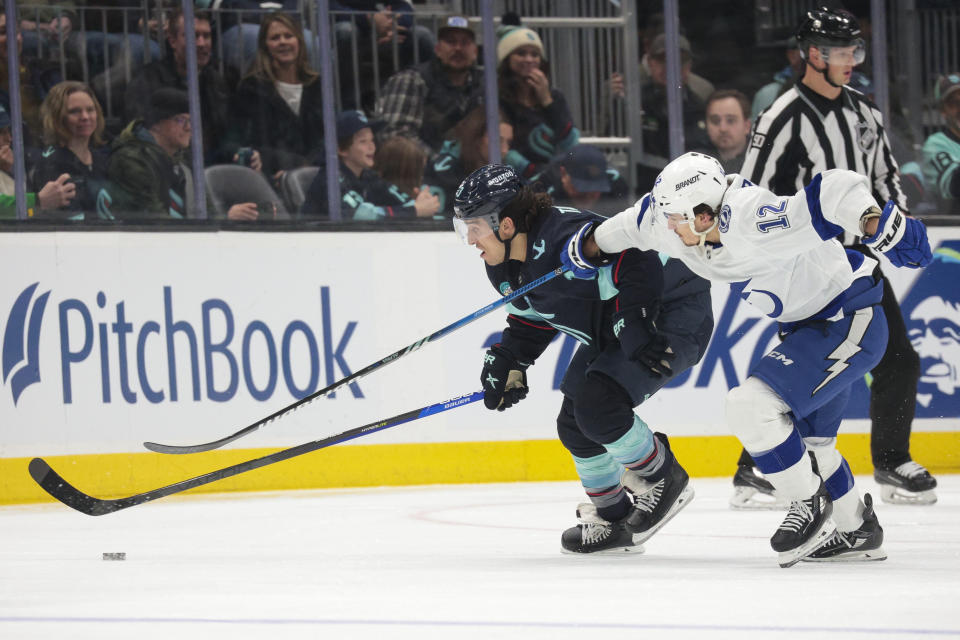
x=466 y=150
x=400 y=161
x=364 y=194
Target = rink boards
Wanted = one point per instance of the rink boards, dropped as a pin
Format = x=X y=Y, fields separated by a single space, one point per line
x=112 y=339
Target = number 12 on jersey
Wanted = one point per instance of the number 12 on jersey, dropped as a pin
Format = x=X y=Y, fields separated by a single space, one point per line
x=772 y=217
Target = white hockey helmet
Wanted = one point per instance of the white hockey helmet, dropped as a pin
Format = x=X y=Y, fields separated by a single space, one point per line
x=691 y=180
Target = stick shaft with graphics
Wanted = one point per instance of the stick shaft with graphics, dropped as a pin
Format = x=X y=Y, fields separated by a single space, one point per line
x=396 y=355
x=54 y=484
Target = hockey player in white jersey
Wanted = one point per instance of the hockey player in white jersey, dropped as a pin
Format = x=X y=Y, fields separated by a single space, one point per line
x=779 y=254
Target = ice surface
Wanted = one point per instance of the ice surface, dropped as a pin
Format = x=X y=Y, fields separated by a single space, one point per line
x=464 y=562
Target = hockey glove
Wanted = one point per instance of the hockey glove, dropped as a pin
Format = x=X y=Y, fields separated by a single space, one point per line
x=902 y=239
x=504 y=379
x=636 y=329
x=574 y=259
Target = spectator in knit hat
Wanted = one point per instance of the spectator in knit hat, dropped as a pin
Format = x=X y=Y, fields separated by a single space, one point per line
x=541 y=120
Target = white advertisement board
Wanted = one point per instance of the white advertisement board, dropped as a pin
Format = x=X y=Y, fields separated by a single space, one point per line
x=111 y=339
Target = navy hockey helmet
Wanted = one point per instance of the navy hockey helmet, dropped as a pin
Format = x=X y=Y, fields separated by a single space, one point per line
x=482 y=196
x=826 y=28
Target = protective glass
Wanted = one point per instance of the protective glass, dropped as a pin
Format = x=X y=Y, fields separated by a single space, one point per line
x=851 y=55
x=473 y=229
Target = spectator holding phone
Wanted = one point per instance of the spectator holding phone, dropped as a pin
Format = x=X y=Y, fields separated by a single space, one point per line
x=73 y=128
x=278 y=108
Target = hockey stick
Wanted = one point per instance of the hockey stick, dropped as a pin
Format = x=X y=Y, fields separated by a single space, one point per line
x=216 y=444
x=56 y=486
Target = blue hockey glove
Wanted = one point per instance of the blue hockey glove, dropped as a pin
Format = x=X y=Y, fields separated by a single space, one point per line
x=574 y=259
x=504 y=379
x=636 y=329
x=902 y=239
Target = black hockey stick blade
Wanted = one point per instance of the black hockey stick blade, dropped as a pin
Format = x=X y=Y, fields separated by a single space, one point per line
x=54 y=484
x=216 y=444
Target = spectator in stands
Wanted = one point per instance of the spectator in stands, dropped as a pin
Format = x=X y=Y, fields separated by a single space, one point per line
x=653 y=40
x=425 y=102
x=36 y=79
x=45 y=25
x=146 y=171
x=53 y=195
x=782 y=80
x=465 y=151
x=358 y=24
x=941 y=151
x=653 y=96
x=364 y=194
x=542 y=124
x=581 y=178
x=400 y=162
x=73 y=128
x=240 y=21
x=728 y=128
x=118 y=42
x=278 y=107
x=146 y=176
x=172 y=72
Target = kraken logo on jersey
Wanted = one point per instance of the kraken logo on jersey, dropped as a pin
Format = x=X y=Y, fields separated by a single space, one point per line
x=866 y=137
x=539 y=247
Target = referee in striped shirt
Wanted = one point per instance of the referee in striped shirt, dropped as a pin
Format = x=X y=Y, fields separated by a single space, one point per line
x=822 y=124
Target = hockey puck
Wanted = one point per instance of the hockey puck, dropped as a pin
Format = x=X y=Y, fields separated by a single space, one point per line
x=115 y=556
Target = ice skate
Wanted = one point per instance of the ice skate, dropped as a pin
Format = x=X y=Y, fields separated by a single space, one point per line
x=806 y=527
x=751 y=491
x=909 y=483
x=596 y=535
x=656 y=503
x=860 y=545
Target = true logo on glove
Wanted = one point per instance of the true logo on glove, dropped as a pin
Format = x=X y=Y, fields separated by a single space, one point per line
x=891 y=234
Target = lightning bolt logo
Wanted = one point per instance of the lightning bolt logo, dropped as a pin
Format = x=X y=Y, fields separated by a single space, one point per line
x=849 y=347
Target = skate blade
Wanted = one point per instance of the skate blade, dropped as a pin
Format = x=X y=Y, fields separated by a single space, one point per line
x=897 y=495
x=856 y=556
x=750 y=499
x=635 y=550
x=682 y=501
x=789 y=558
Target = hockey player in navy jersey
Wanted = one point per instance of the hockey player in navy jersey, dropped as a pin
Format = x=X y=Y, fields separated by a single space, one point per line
x=640 y=322
x=780 y=254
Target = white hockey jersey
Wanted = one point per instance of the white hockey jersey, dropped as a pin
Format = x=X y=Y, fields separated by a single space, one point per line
x=779 y=253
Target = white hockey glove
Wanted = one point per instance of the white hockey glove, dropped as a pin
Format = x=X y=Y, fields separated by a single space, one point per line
x=574 y=259
x=902 y=239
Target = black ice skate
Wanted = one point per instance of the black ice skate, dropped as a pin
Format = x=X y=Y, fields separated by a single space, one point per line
x=860 y=545
x=596 y=535
x=656 y=503
x=806 y=527
x=752 y=491
x=908 y=483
